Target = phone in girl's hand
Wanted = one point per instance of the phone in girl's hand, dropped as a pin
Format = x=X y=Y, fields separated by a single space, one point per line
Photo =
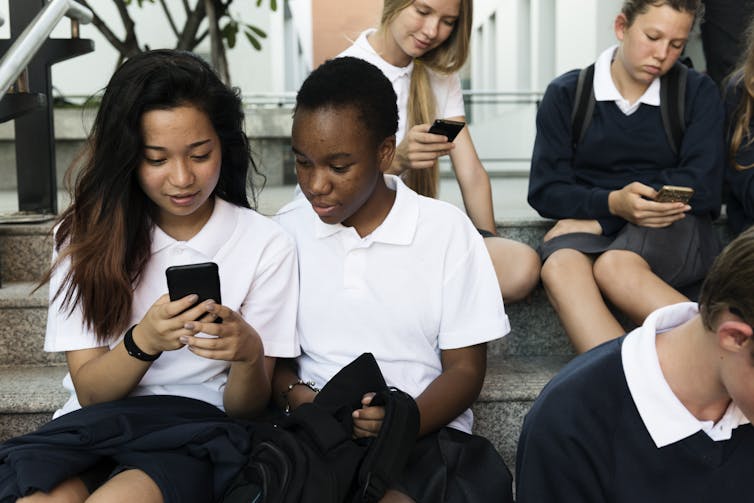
x=202 y=279
x=447 y=128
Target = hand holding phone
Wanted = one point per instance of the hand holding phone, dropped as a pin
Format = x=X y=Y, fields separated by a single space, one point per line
x=447 y=128
x=674 y=194
x=201 y=279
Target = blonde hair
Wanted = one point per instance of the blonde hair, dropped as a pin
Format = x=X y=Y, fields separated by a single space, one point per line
x=448 y=58
x=743 y=79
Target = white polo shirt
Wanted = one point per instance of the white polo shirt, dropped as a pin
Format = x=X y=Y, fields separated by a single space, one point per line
x=663 y=414
x=605 y=90
x=447 y=88
x=420 y=283
x=258 y=278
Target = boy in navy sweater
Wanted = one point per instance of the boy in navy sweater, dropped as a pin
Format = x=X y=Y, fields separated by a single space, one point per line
x=670 y=419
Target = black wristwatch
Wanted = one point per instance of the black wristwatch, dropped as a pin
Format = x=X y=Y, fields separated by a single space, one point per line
x=134 y=350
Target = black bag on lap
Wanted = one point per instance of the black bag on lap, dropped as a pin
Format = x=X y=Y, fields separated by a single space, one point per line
x=310 y=456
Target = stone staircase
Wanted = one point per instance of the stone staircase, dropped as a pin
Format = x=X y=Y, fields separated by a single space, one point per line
x=30 y=380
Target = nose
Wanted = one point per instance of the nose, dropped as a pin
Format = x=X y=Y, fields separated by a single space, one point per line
x=317 y=181
x=661 y=51
x=181 y=174
x=430 y=28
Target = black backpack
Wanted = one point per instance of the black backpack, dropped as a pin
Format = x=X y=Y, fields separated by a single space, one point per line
x=672 y=104
x=310 y=456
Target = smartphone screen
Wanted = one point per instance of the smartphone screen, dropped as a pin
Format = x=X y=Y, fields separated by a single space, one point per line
x=447 y=128
x=202 y=279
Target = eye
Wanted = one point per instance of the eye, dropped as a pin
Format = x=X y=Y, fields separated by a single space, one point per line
x=302 y=161
x=341 y=169
x=200 y=158
x=677 y=45
x=421 y=11
x=154 y=162
x=653 y=38
x=450 y=22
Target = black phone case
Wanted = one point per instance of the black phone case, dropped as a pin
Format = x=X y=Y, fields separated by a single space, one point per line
x=203 y=279
x=447 y=128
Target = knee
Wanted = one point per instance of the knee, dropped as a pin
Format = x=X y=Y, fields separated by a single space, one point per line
x=617 y=268
x=517 y=267
x=559 y=267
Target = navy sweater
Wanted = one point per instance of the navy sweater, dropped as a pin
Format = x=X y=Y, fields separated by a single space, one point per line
x=584 y=441
x=740 y=205
x=568 y=181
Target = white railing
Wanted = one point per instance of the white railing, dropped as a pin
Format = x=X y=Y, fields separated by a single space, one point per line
x=14 y=61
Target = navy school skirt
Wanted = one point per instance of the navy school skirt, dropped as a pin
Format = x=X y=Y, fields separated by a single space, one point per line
x=679 y=254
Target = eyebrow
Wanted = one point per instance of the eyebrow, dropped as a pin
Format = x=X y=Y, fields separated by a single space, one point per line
x=336 y=155
x=191 y=146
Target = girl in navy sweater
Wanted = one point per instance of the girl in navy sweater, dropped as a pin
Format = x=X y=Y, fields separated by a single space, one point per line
x=612 y=239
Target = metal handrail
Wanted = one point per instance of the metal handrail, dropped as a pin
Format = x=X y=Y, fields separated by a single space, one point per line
x=19 y=55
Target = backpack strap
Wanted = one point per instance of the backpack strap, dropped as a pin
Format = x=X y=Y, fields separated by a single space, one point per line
x=389 y=451
x=583 y=104
x=672 y=104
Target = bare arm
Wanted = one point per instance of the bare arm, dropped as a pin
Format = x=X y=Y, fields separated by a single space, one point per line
x=103 y=374
x=473 y=180
x=448 y=396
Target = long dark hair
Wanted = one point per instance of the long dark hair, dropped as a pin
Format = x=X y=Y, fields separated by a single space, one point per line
x=106 y=231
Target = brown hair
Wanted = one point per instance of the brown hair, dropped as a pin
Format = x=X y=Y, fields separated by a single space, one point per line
x=105 y=233
x=633 y=8
x=728 y=285
x=742 y=79
x=448 y=58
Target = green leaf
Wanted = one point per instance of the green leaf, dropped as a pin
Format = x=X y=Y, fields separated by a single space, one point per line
x=229 y=32
x=257 y=31
x=273 y=4
x=253 y=41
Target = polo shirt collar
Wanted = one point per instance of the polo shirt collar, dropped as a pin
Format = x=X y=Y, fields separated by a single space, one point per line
x=399 y=225
x=210 y=238
x=605 y=90
x=666 y=418
x=392 y=73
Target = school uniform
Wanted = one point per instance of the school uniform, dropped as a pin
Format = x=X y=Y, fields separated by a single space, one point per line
x=626 y=143
x=740 y=183
x=258 y=277
x=629 y=438
x=420 y=283
x=446 y=88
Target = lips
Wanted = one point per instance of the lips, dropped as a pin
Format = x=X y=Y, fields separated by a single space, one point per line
x=323 y=209
x=183 y=199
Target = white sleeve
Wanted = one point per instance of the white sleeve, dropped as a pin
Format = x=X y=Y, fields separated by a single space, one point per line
x=271 y=305
x=65 y=327
x=472 y=307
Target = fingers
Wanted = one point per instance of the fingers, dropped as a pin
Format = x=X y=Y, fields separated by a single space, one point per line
x=367 y=421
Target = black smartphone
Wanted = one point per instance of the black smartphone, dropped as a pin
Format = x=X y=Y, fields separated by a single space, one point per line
x=447 y=128
x=203 y=279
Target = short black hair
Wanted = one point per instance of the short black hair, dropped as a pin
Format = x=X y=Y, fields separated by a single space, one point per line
x=353 y=82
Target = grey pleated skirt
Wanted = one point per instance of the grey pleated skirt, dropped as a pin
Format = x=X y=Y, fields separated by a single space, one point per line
x=679 y=254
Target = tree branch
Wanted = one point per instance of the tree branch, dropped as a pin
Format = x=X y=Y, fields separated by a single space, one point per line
x=170 y=18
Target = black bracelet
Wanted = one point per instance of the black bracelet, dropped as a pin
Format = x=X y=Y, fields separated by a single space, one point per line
x=134 y=350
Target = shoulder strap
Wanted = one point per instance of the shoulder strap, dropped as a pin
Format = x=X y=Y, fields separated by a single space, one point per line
x=672 y=104
x=389 y=451
x=583 y=104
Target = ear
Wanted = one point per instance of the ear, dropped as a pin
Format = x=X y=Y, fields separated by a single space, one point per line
x=386 y=152
x=733 y=335
x=620 y=26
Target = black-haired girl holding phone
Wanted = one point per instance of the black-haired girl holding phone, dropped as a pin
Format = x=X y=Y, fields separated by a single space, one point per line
x=162 y=183
x=420 y=45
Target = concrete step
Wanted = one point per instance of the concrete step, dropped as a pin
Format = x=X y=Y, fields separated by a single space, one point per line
x=30 y=394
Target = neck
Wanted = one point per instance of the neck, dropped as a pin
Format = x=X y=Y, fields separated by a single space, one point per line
x=629 y=88
x=384 y=44
x=374 y=211
x=185 y=228
x=688 y=358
